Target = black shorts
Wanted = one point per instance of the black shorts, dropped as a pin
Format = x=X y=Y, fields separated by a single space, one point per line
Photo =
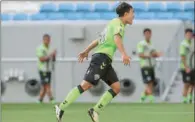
x=45 y=77
x=148 y=74
x=100 y=68
x=188 y=77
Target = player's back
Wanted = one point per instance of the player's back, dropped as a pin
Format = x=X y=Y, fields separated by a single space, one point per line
x=106 y=41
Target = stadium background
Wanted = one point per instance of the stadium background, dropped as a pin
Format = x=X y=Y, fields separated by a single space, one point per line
x=72 y=25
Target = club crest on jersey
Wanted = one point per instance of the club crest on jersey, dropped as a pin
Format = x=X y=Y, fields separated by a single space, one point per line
x=96 y=77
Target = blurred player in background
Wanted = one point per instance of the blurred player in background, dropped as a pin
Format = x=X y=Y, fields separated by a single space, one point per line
x=192 y=86
x=147 y=54
x=101 y=64
x=44 y=66
x=186 y=49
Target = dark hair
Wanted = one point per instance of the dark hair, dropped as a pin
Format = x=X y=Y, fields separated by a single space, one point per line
x=46 y=35
x=146 y=30
x=122 y=8
x=188 y=30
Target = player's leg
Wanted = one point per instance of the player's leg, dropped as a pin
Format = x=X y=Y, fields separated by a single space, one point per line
x=148 y=79
x=151 y=84
x=71 y=97
x=112 y=80
x=107 y=97
x=42 y=93
x=91 y=78
x=192 y=87
x=186 y=81
x=49 y=93
x=48 y=87
x=43 y=87
x=190 y=90
x=150 y=91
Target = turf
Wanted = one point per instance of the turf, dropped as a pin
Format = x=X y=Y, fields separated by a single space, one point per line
x=112 y=113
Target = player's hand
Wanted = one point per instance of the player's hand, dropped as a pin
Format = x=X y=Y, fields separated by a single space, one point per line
x=53 y=54
x=159 y=54
x=187 y=70
x=82 y=56
x=126 y=59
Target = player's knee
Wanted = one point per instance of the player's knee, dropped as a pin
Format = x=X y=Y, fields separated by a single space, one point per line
x=116 y=88
x=44 y=89
x=84 y=86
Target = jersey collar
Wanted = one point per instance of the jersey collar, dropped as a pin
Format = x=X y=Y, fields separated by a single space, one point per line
x=147 y=42
x=188 y=41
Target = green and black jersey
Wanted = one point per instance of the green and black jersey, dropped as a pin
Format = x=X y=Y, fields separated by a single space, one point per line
x=145 y=48
x=186 y=49
x=42 y=51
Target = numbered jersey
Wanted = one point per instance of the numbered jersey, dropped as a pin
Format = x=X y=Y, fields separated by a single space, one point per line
x=106 y=40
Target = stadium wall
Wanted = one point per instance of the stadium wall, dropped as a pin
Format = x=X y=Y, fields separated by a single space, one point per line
x=20 y=39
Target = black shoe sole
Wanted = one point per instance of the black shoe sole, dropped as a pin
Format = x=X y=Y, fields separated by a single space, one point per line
x=89 y=113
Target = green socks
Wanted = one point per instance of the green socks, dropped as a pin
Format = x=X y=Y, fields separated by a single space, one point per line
x=151 y=98
x=71 y=97
x=143 y=97
x=76 y=92
x=105 y=100
x=189 y=97
x=185 y=99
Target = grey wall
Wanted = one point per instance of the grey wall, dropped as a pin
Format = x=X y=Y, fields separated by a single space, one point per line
x=19 y=40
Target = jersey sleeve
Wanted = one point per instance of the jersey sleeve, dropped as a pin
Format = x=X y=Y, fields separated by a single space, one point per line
x=182 y=50
x=118 y=29
x=140 y=48
x=39 y=52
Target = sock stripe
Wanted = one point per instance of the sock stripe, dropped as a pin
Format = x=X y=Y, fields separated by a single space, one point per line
x=112 y=93
x=81 y=90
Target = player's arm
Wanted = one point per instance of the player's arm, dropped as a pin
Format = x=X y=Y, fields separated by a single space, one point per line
x=156 y=54
x=41 y=56
x=140 y=50
x=182 y=52
x=119 y=44
x=91 y=46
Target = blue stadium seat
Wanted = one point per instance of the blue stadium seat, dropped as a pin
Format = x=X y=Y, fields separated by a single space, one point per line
x=174 y=6
x=156 y=7
x=183 y=16
x=113 y=6
x=48 y=7
x=38 y=16
x=92 y=16
x=5 y=17
x=56 y=16
x=146 y=15
x=66 y=7
x=189 y=6
x=139 y=6
x=20 y=16
x=108 y=15
x=83 y=7
x=164 y=15
x=101 y=7
x=74 y=15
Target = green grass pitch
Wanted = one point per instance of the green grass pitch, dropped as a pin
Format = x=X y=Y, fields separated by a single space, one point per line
x=113 y=113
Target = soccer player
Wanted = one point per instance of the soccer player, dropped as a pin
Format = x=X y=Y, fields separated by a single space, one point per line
x=192 y=87
x=147 y=53
x=101 y=64
x=44 y=59
x=186 y=49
